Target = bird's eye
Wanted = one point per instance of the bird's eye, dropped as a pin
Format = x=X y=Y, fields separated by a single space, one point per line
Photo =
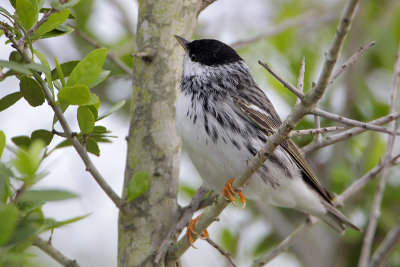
x=193 y=57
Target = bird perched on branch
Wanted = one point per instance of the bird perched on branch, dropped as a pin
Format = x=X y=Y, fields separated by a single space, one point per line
x=224 y=119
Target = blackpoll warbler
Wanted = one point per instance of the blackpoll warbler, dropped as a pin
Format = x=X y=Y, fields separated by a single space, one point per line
x=224 y=118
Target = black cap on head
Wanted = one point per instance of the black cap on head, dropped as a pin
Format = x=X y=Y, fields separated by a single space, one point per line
x=211 y=52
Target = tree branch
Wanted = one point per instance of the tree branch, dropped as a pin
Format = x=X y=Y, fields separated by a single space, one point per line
x=329 y=140
x=204 y=5
x=298 y=112
x=351 y=122
x=54 y=253
x=376 y=205
x=222 y=251
x=351 y=60
x=314 y=131
x=111 y=56
x=339 y=200
x=388 y=244
x=309 y=17
x=285 y=83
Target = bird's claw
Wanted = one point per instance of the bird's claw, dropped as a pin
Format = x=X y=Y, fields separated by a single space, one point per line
x=190 y=230
x=229 y=191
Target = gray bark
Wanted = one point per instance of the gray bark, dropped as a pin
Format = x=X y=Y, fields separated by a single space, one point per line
x=153 y=144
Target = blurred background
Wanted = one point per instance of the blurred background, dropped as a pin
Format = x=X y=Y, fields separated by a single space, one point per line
x=280 y=33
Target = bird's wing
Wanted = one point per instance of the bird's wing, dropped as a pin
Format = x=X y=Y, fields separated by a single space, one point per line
x=270 y=123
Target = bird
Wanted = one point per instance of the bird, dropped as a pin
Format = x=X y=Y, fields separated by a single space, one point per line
x=224 y=119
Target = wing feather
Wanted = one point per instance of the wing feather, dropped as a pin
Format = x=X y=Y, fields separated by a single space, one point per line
x=270 y=123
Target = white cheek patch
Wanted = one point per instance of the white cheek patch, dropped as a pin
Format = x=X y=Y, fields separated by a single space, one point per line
x=193 y=68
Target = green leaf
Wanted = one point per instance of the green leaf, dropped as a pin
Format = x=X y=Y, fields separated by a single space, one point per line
x=27 y=162
x=9 y=100
x=2 y=142
x=61 y=30
x=28 y=12
x=21 y=141
x=92 y=147
x=44 y=135
x=66 y=69
x=78 y=94
x=31 y=91
x=138 y=185
x=94 y=100
x=46 y=9
x=55 y=20
x=85 y=119
x=45 y=63
x=94 y=111
x=113 y=109
x=59 y=72
x=38 y=67
x=88 y=70
x=103 y=75
x=229 y=241
x=47 y=195
x=8 y=215
x=51 y=223
x=18 y=67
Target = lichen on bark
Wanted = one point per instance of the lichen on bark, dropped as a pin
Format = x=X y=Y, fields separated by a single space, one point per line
x=153 y=144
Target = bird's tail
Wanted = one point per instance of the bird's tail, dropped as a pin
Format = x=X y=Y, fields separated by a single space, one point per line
x=335 y=219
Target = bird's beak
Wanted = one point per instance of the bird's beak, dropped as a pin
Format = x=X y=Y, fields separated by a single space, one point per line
x=182 y=42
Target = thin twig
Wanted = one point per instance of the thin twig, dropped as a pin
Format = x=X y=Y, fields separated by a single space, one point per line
x=300 y=80
x=54 y=253
x=314 y=131
x=285 y=83
x=388 y=244
x=329 y=140
x=307 y=18
x=222 y=251
x=111 y=56
x=351 y=60
x=376 y=205
x=351 y=122
x=298 y=112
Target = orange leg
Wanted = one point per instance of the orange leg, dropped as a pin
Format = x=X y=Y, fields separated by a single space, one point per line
x=190 y=231
x=229 y=191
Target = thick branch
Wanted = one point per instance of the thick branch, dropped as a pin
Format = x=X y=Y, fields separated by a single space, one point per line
x=298 y=112
x=54 y=253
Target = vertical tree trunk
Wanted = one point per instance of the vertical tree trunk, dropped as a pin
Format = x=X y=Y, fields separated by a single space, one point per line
x=153 y=144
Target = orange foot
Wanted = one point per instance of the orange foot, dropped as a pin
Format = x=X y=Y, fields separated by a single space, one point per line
x=229 y=191
x=190 y=231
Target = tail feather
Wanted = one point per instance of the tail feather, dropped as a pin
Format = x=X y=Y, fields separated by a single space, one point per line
x=335 y=219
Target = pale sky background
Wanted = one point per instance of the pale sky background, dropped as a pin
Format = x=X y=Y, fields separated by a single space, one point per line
x=93 y=241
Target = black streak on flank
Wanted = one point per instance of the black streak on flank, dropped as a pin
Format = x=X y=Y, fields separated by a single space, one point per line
x=275 y=160
x=206 y=124
x=215 y=135
x=235 y=144
x=194 y=118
